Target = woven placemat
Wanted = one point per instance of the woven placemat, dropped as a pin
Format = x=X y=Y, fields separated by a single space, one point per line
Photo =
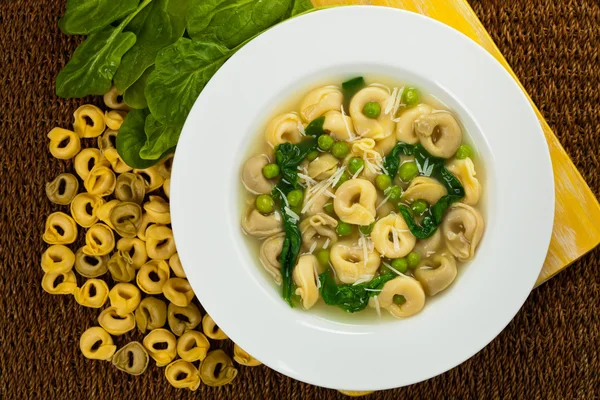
x=550 y=349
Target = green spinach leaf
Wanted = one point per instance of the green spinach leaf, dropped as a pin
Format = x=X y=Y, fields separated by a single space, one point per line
x=302 y=6
x=391 y=162
x=182 y=71
x=157 y=26
x=315 y=128
x=351 y=87
x=94 y=63
x=83 y=17
x=289 y=253
x=288 y=156
x=160 y=139
x=134 y=96
x=232 y=22
x=351 y=298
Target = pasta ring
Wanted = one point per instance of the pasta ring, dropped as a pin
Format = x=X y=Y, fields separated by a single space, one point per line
x=83 y=209
x=152 y=178
x=114 y=119
x=121 y=268
x=158 y=209
x=160 y=244
x=95 y=343
x=192 y=346
x=125 y=297
x=211 y=375
x=145 y=222
x=108 y=140
x=89 y=121
x=86 y=160
x=115 y=324
x=155 y=342
x=183 y=375
x=125 y=217
x=116 y=162
x=90 y=266
x=130 y=188
x=151 y=314
x=176 y=267
x=112 y=99
x=135 y=248
x=60 y=229
x=211 y=329
x=93 y=293
x=58 y=259
x=178 y=291
x=152 y=276
x=64 y=144
x=183 y=319
x=103 y=212
x=59 y=283
x=165 y=166
x=242 y=357
x=99 y=240
x=62 y=189
x=167 y=188
x=101 y=181
x=131 y=358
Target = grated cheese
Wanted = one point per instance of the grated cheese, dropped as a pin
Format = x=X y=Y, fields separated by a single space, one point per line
x=358 y=172
x=396 y=240
x=377 y=308
x=389 y=106
x=326 y=244
x=398 y=101
x=351 y=135
x=394 y=269
x=292 y=214
x=301 y=129
x=314 y=192
x=385 y=199
x=283 y=196
x=363 y=279
x=362 y=243
x=309 y=181
x=312 y=247
x=317 y=280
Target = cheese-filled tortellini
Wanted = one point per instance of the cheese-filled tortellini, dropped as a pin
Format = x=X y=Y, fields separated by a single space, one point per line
x=253 y=177
x=182 y=374
x=377 y=128
x=178 y=291
x=352 y=262
x=424 y=188
x=256 y=224
x=392 y=238
x=101 y=181
x=152 y=178
x=402 y=297
x=306 y=278
x=339 y=125
x=114 y=323
x=183 y=319
x=97 y=344
x=161 y=345
x=210 y=329
x=86 y=160
x=60 y=229
x=429 y=246
x=242 y=357
x=93 y=293
x=436 y=273
x=405 y=129
x=62 y=189
x=318 y=229
x=366 y=150
x=322 y=167
x=462 y=229
x=58 y=259
x=270 y=250
x=151 y=314
x=89 y=121
x=354 y=202
x=64 y=144
x=192 y=346
x=464 y=170
x=213 y=376
x=131 y=358
x=319 y=101
x=440 y=133
x=84 y=208
x=284 y=128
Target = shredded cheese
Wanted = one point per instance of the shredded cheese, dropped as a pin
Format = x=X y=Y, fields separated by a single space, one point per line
x=391 y=101
x=312 y=247
x=394 y=269
x=396 y=240
x=283 y=196
x=309 y=181
x=314 y=192
x=301 y=129
x=326 y=244
x=292 y=214
x=362 y=243
x=317 y=280
x=398 y=101
x=362 y=279
x=385 y=199
x=358 y=172
x=377 y=308
x=351 y=135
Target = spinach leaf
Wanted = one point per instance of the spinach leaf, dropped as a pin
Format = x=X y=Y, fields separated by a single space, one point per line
x=94 y=63
x=302 y=6
x=232 y=22
x=182 y=71
x=351 y=298
x=160 y=139
x=391 y=162
x=83 y=17
x=158 y=25
x=315 y=128
x=433 y=166
x=289 y=253
x=131 y=138
x=351 y=87
x=288 y=156
x=134 y=96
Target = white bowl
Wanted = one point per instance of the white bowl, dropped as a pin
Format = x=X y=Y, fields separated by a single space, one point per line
x=226 y=275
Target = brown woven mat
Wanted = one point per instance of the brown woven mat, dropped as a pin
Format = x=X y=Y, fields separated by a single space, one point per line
x=550 y=350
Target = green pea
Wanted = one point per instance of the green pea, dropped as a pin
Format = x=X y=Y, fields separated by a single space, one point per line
x=265 y=204
x=408 y=171
x=340 y=150
x=328 y=208
x=295 y=197
x=398 y=299
x=394 y=193
x=419 y=206
x=464 y=151
x=383 y=182
x=400 y=265
x=372 y=109
x=343 y=229
x=312 y=155
x=323 y=257
x=413 y=259
x=410 y=97
x=296 y=209
x=342 y=179
x=325 y=142
x=270 y=171
x=355 y=165
x=366 y=229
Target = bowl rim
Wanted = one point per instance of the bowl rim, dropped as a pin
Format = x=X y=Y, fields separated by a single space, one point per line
x=320 y=351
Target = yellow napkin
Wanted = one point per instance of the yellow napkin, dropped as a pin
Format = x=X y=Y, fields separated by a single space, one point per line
x=577 y=214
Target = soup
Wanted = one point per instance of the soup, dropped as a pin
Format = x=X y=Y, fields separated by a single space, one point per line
x=363 y=196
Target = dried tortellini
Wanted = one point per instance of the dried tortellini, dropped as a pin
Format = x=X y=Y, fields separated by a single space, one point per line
x=114 y=323
x=158 y=209
x=211 y=329
x=113 y=100
x=59 y=282
x=161 y=345
x=176 y=267
x=96 y=343
x=355 y=202
x=160 y=244
x=58 y=259
x=99 y=240
x=116 y=162
x=64 y=144
x=93 y=293
x=89 y=121
x=125 y=217
x=125 y=298
x=60 y=229
x=108 y=140
x=152 y=276
x=114 y=119
x=192 y=346
x=130 y=187
x=135 y=248
x=350 y=263
x=178 y=291
x=86 y=160
x=183 y=319
x=151 y=314
x=90 y=266
x=121 y=267
x=131 y=358
x=84 y=208
x=242 y=357
x=213 y=376
x=62 y=189
x=101 y=181
x=183 y=375
x=152 y=178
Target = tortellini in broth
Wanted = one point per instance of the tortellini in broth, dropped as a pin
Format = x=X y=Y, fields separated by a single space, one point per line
x=363 y=196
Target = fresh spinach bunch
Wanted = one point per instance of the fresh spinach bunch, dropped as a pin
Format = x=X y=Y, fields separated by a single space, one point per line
x=351 y=298
x=160 y=54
